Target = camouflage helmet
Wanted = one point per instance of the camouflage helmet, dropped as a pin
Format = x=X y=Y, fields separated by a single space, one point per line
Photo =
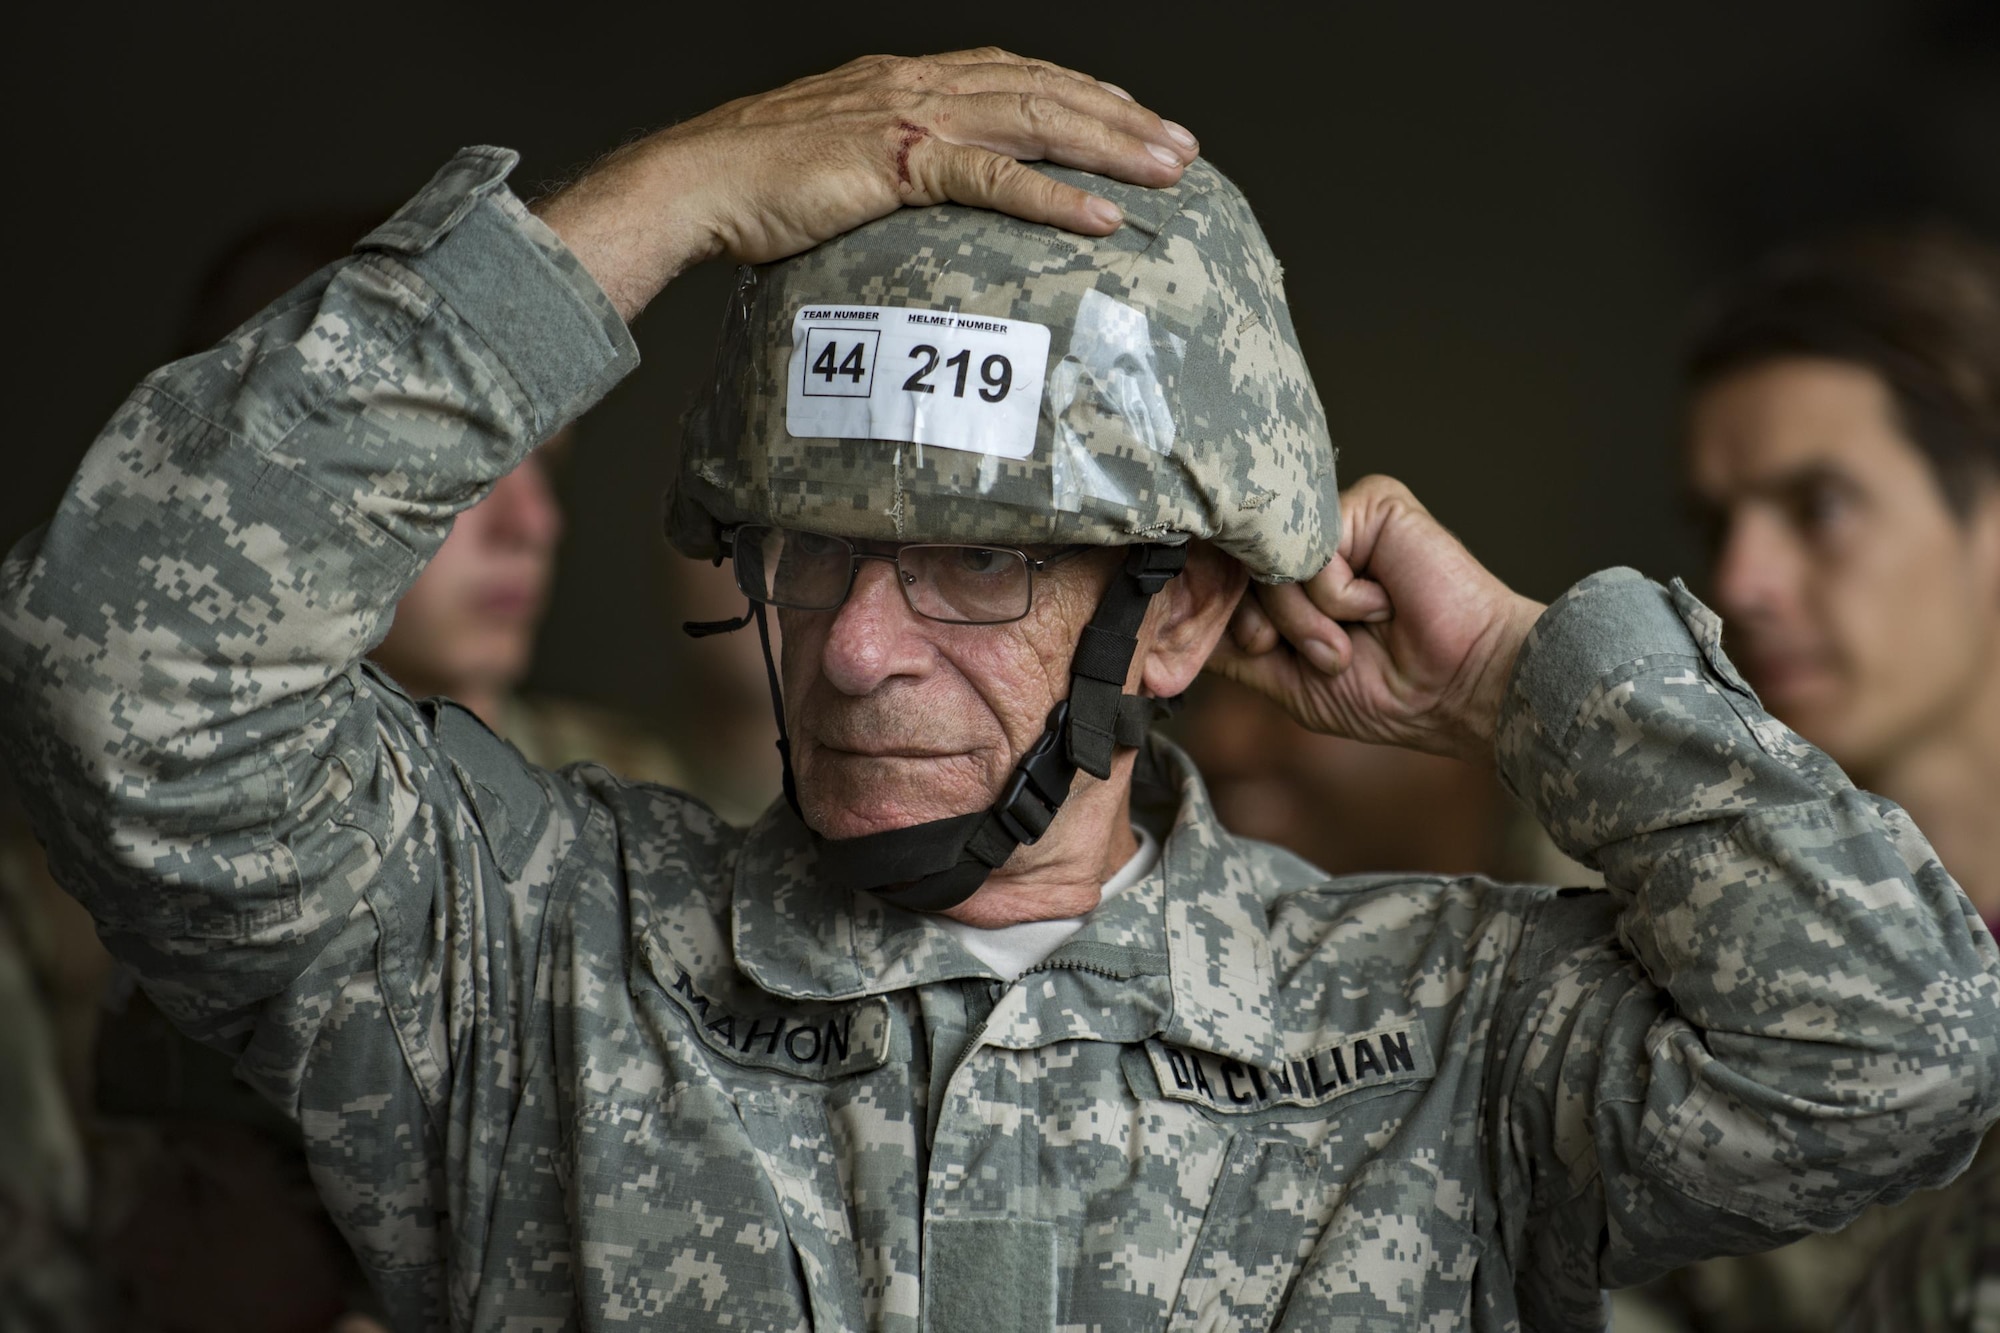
x=1174 y=401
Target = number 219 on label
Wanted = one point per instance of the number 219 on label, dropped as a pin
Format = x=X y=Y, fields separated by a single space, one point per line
x=996 y=371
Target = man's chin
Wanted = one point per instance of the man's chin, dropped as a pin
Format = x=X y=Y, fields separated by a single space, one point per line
x=858 y=814
x=851 y=796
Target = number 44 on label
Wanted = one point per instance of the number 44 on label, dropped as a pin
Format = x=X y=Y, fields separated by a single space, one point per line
x=853 y=364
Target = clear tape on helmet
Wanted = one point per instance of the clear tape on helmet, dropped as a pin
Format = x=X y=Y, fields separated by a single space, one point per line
x=1112 y=368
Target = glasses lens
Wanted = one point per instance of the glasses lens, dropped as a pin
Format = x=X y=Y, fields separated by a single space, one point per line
x=971 y=585
x=802 y=570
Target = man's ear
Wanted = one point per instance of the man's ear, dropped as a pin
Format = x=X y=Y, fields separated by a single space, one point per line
x=1186 y=621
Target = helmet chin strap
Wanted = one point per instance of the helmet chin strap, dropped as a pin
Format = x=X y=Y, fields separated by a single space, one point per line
x=937 y=865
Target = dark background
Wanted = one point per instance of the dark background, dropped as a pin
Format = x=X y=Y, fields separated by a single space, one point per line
x=1493 y=221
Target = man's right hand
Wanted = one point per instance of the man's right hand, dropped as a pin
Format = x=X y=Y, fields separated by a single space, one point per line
x=768 y=176
x=1403 y=639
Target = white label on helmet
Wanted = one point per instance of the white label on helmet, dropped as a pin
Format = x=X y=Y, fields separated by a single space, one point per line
x=931 y=377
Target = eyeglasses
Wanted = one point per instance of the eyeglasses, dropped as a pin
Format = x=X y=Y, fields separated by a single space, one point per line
x=957 y=584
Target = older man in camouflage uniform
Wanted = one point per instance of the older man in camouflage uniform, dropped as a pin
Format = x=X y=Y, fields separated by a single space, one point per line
x=569 y=1052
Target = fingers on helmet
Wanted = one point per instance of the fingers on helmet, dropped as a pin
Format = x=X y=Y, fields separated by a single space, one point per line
x=1031 y=126
x=1340 y=595
x=939 y=171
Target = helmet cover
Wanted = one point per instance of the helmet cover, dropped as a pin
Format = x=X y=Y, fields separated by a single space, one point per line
x=1174 y=402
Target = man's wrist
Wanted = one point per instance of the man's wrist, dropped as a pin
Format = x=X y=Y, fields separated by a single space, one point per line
x=632 y=223
x=1506 y=638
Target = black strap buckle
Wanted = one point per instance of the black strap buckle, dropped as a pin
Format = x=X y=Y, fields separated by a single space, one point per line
x=1152 y=565
x=1040 y=784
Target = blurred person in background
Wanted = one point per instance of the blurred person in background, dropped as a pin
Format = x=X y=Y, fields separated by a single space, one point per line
x=1843 y=447
x=466 y=631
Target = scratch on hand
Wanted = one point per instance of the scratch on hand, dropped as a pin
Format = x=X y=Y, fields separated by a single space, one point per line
x=913 y=134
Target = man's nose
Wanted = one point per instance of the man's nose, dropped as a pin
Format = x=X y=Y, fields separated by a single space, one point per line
x=1755 y=568
x=524 y=509
x=875 y=636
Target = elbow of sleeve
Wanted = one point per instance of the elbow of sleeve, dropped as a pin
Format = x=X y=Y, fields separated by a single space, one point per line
x=225 y=878
x=1951 y=1091
x=1806 y=1134
x=1914 y=1122
x=1982 y=1078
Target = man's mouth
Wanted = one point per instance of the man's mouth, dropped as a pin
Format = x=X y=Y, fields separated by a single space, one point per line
x=1782 y=675
x=885 y=753
x=876 y=750
x=510 y=600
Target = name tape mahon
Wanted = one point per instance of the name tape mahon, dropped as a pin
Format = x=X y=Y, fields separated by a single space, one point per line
x=827 y=1042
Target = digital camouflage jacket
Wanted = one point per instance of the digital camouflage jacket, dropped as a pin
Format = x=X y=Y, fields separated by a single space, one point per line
x=571 y=1053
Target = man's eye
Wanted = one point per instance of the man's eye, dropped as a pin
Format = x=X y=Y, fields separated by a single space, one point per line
x=979 y=560
x=1822 y=509
x=813 y=544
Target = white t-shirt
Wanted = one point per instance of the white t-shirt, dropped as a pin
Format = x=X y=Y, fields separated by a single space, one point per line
x=1012 y=950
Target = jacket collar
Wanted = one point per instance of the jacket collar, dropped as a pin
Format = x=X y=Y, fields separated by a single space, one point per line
x=1202 y=919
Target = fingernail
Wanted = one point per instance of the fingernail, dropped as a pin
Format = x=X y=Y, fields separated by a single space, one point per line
x=1167 y=156
x=1321 y=655
x=1116 y=91
x=1377 y=617
x=1106 y=212
x=1179 y=134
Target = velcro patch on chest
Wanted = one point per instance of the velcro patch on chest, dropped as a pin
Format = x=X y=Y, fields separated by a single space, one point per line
x=1348 y=1063
x=819 y=1041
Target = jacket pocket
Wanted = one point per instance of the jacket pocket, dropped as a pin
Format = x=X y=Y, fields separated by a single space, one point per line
x=1253 y=1237
x=794 y=1140
x=1400 y=1252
